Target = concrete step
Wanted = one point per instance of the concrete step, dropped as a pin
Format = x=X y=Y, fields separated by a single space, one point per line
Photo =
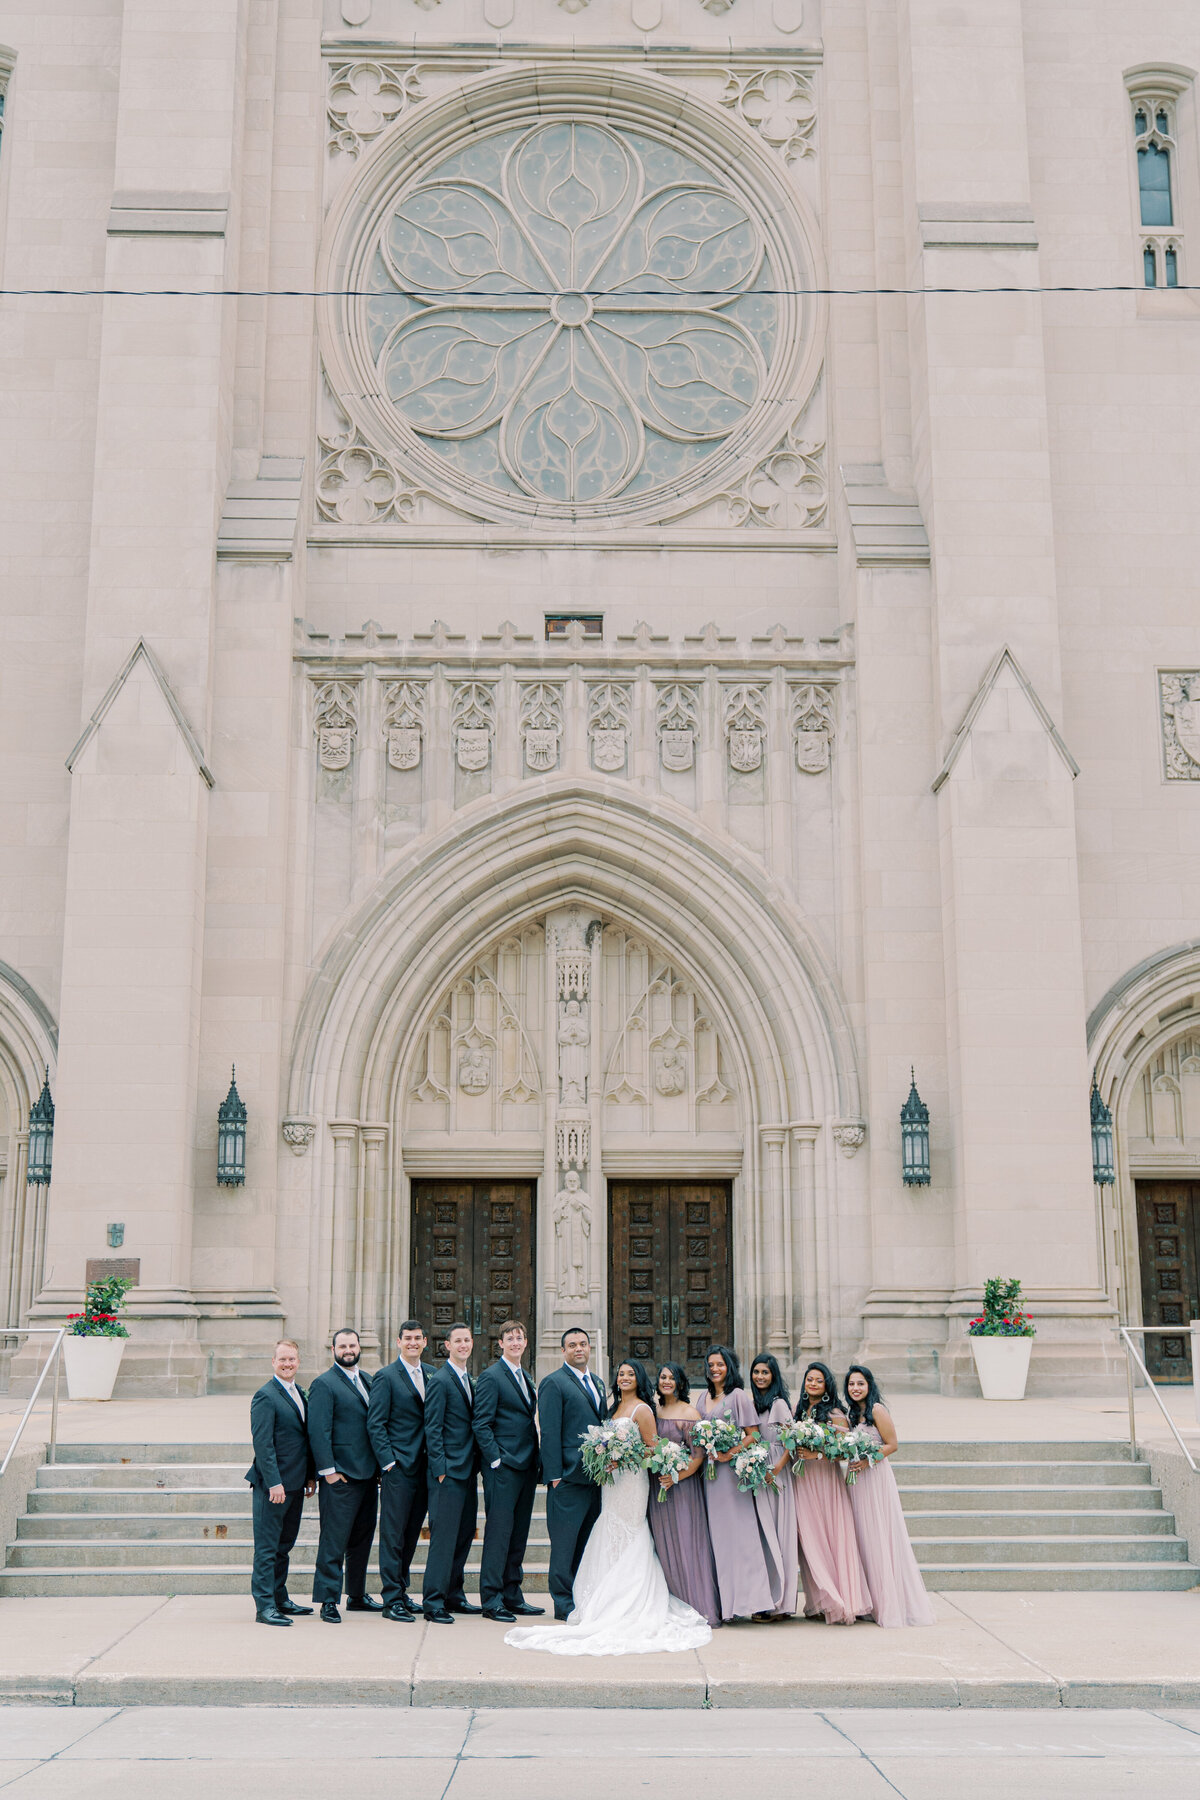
x=951 y=1552
x=1097 y=1522
x=1018 y=1450
x=911 y=1473
x=1041 y=1496
x=145 y=1475
x=181 y=1526
x=1064 y=1578
x=242 y=1453
x=144 y=1501
x=43 y=1583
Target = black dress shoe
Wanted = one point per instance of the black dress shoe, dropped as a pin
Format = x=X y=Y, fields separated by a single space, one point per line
x=364 y=1603
x=500 y=1614
x=525 y=1611
x=330 y=1613
x=399 y=1615
x=294 y=1611
x=406 y=1605
x=465 y=1606
x=439 y=1616
x=270 y=1615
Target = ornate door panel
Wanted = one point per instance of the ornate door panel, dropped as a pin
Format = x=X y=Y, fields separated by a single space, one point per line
x=1169 y=1241
x=670 y=1292
x=473 y=1259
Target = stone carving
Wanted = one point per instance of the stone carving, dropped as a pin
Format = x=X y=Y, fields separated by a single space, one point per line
x=716 y=7
x=602 y=329
x=298 y=1134
x=335 y=721
x=365 y=98
x=404 y=722
x=812 y=727
x=670 y=1074
x=473 y=715
x=610 y=708
x=573 y=1143
x=777 y=103
x=572 y=1234
x=1179 y=691
x=574 y=1042
x=666 y=1039
x=541 y=724
x=850 y=1136
x=475 y=1070
x=356 y=486
x=745 y=727
x=356 y=12
x=786 y=491
x=677 y=716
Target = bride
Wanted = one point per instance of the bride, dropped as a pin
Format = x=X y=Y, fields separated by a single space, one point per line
x=622 y=1606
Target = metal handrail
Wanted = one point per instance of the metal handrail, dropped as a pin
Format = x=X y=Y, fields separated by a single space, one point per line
x=1132 y=1355
x=58 y=1333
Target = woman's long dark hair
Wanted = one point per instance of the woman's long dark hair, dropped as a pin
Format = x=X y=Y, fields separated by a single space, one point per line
x=829 y=1402
x=764 y=1398
x=864 y=1413
x=683 y=1390
x=733 y=1369
x=644 y=1390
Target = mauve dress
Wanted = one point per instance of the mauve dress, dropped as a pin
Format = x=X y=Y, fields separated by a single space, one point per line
x=780 y=1507
x=680 y=1531
x=897 y=1590
x=745 y=1550
x=835 y=1582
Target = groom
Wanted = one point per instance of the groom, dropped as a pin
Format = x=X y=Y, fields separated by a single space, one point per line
x=569 y=1401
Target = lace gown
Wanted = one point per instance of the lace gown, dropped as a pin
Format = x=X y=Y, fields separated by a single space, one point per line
x=622 y=1606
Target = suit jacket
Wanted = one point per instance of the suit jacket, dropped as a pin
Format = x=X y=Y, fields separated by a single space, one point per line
x=449 y=1438
x=396 y=1418
x=337 y=1426
x=505 y=1422
x=282 y=1455
x=565 y=1412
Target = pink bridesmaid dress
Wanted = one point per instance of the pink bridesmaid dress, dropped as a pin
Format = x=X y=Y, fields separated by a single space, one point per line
x=835 y=1583
x=898 y=1595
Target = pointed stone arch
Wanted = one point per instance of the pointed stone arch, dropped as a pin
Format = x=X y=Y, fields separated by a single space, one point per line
x=28 y=1048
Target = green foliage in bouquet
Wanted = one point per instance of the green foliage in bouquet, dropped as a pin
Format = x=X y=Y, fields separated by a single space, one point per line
x=100 y=1309
x=1002 y=1314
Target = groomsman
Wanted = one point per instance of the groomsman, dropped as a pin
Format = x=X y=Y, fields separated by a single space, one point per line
x=569 y=1401
x=453 y=1467
x=396 y=1426
x=280 y=1476
x=349 y=1476
x=506 y=1432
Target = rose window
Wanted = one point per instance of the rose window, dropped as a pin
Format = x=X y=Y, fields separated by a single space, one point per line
x=571 y=315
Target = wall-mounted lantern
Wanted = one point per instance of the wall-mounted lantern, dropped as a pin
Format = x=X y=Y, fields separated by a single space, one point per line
x=914 y=1138
x=41 y=1137
x=231 y=1137
x=1104 y=1172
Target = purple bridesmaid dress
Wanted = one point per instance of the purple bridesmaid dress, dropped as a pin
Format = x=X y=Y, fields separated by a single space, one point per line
x=780 y=1507
x=748 y=1558
x=898 y=1593
x=680 y=1530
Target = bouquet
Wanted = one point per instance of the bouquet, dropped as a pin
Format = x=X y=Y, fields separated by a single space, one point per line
x=754 y=1468
x=666 y=1458
x=804 y=1434
x=715 y=1437
x=838 y=1447
x=856 y=1445
x=611 y=1449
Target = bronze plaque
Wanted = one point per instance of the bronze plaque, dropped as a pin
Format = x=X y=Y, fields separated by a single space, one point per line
x=113 y=1268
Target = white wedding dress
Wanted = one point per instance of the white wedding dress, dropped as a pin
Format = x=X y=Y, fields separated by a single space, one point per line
x=622 y=1606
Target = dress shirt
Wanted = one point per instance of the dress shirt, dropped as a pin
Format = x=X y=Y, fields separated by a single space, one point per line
x=293 y=1394
x=516 y=1370
x=466 y=1384
x=355 y=1380
x=416 y=1375
x=587 y=1382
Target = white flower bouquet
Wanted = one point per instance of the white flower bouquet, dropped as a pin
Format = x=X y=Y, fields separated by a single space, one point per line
x=857 y=1445
x=666 y=1459
x=611 y=1449
x=804 y=1434
x=715 y=1437
x=754 y=1468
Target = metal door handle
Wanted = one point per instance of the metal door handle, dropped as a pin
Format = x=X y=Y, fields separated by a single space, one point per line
x=675 y=1313
x=478 y=1314
x=666 y=1316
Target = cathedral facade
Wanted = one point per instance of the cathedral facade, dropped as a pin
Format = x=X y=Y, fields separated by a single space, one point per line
x=597 y=595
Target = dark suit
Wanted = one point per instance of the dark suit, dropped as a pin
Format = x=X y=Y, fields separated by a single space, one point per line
x=396 y=1425
x=282 y=1458
x=572 y=1508
x=337 y=1431
x=453 y=1500
x=506 y=1431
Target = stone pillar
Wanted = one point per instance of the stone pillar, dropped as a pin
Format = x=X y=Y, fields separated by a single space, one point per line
x=368 y=1298
x=1016 y=1140
x=345 y=1222
x=805 y=1138
x=778 y=1258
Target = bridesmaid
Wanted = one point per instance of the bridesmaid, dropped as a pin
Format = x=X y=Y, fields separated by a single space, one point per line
x=680 y=1524
x=835 y=1582
x=769 y=1393
x=745 y=1549
x=897 y=1590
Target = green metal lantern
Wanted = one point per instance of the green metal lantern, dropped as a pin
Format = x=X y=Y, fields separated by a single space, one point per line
x=914 y=1138
x=41 y=1137
x=1104 y=1172
x=231 y=1137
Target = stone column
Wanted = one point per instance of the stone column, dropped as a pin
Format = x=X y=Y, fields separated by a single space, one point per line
x=805 y=1137
x=369 y=1248
x=345 y=1221
x=776 y=1233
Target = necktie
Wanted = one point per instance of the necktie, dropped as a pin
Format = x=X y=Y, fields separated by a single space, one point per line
x=418 y=1380
x=294 y=1394
x=466 y=1382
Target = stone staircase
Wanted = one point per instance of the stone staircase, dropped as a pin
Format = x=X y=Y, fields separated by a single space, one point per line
x=175 y=1519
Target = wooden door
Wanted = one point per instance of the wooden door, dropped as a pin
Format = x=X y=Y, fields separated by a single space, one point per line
x=1168 y=1215
x=473 y=1260
x=669 y=1284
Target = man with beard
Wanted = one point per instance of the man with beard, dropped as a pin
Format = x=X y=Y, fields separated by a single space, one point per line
x=349 y=1477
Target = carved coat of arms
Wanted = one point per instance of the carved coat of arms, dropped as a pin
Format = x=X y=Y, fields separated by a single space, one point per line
x=608 y=749
x=812 y=752
x=335 y=746
x=404 y=746
x=745 y=749
x=541 y=748
x=473 y=747
x=678 y=748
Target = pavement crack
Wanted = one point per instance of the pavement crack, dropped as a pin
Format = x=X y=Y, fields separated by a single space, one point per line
x=997 y=1639
x=863 y=1754
x=119 y=1639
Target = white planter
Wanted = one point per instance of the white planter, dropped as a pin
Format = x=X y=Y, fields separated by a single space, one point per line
x=92 y=1364
x=1002 y=1365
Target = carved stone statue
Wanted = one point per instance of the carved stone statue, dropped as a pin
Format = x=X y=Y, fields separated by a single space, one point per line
x=572 y=1232
x=574 y=1036
x=475 y=1070
x=670 y=1077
